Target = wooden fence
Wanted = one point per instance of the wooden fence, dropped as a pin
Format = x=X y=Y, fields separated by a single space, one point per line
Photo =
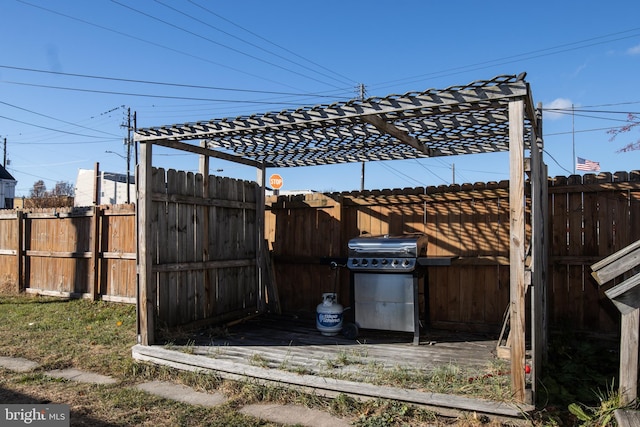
x=70 y=252
x=590 y=217
x=203 y=248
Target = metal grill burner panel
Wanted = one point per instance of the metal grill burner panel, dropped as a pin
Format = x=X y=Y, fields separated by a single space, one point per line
x=386 y=253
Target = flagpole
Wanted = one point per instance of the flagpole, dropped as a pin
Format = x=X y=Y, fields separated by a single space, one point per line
x=573 y=138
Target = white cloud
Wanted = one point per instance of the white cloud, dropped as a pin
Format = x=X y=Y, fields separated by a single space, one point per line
x=634 y=50
x=557 y=104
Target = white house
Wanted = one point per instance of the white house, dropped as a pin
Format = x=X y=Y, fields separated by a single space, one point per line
x=7 y=189
x=112 y=188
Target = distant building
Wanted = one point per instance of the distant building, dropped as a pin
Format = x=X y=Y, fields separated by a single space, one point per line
x=112 y=188
x=7 y=189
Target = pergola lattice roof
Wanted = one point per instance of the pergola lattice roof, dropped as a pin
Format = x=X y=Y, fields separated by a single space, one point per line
x=457 y=120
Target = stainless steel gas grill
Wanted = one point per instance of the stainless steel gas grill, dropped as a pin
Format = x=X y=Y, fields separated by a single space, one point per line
x=386 y=275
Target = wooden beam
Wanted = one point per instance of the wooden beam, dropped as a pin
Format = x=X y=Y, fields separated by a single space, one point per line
x=94 y=286
x=204 y=168
x=595 y=187
x=203 y=265
x=617 y=263
x=517 y=248
x=627 y=417
x=199 y=201
x=261 y=178
x=182 y=146
x=386 y=127
x=626 y=295
x=146 y=304
x=20 y=259
x=539 y=224
x=629 y=357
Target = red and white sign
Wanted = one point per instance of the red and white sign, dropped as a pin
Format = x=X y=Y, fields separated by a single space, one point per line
x=275 y=181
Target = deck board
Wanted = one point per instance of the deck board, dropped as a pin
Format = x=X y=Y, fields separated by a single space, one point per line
x=293 y=352
x=278 y=340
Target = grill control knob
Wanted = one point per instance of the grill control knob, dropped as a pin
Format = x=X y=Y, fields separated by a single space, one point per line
x=394 y=262
x=354 y=262
x=364 y=262
x=374 y=262
x=405 y=263
x=384 y=261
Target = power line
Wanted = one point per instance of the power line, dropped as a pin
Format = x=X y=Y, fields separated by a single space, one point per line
x=151 y=82
x=59 y=120
x=268 y=41
x=220 y=44
x=55 y=130
x=247 y=42
x=569 y=112
x=556 y=162
x=400 y=174
x=514 y=58
x=180 y=52
x=431 y=172
x=143 y=95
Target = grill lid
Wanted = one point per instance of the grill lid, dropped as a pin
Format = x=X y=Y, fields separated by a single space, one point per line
x=403 y=246
x=386 y=253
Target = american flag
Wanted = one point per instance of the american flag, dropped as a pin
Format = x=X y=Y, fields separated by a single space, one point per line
x=587 y=165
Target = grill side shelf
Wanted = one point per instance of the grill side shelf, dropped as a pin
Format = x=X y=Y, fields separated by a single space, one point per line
x=427 y=261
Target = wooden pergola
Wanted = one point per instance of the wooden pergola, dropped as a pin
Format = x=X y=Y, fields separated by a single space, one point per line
x=496 y=115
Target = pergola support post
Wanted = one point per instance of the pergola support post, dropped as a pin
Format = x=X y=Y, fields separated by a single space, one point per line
x=539 y=253
x=146 y=304
x=517 y=248
x=261 y=251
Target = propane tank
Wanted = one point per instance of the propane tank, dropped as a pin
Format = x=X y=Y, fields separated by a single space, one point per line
x=329 y=315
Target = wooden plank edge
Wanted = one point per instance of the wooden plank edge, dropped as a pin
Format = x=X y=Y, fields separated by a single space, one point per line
x=235 y=371
x=60 y=294
x=120 y=299
x=624 y=287
x=503 y=352
x=627 y=417
x=613 y=257
x=79 y=295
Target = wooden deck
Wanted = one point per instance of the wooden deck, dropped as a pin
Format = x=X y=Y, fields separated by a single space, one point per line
x=293 y=353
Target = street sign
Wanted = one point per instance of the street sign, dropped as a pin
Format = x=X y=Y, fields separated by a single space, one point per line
x=275 y=181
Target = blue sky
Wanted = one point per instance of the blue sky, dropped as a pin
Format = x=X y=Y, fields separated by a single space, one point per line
x=70 y=70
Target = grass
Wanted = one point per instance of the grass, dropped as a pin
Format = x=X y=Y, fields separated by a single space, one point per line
x=98 y=336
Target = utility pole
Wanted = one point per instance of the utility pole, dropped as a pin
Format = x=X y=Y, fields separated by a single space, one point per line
x=135 y=128
x=573 y=138
x=128 y=153
x=362 y=93
x=127 y=142
x=4 y=163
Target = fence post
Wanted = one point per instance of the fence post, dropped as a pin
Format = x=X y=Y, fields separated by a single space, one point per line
x=20 y=276
x=94 y=290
